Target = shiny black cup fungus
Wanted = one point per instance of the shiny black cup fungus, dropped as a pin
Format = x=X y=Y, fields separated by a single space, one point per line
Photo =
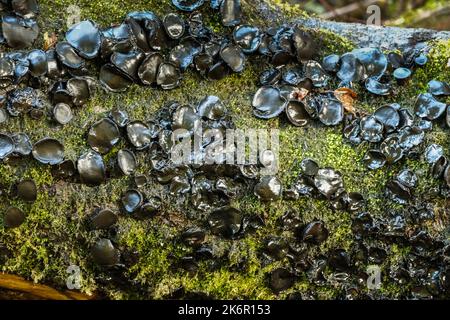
x=234 y=57
x=374 y=159
x=402 y=74
x=391 y=149
x=120 y=117
x=371 y=129
x=80 y=89
x=331 y=111
x=293 y=76
x=174 y=25
x=425 y=125
x=85 y=38
x=103 y=135
x=193 y=236
x=339 y=260
x=438 y=167
x=64 y=170
x=309 y=167
x=22 y=101
x=355 y=201
x=351 y=69
x=139 y=134
x=183 y=54
x=48 y=151
x=3 y=116
x=269 y=188
x=62 y=113
x=25 y=8
x=231 y=12
x=428 y=107
x=225 y=221
x=68 y=56
x=6 y=146
x=421 y=60
x=27 y=190
x=188 y=5
x=149 y=208
x=38 y=63
x=314 y=71
x=126 y=161
x=439 y=88
x=148 y=70
x=314 y=233
x=13 y=217
x=407 y=178
x=433 y=152
x=328 y=182
x=104 y=254
x=396 y=60
x=218 y=71
x=331 y=63
x=388 y=117
x=127 y=63
x=304 y=43
x=376 y=87
x=398 y=192
x=103 y=219
x=168 y=76
x=447 y=176
x=410 y=137
x=19 y=33
x=112 y=80
x=297 y=114
x=22 y=144
x=281 y=279
x=268 y=103
x=247 y=37
x=132 y=200
x=203 y=62
x=7 y=73
x=211 y=108
x=140 y=180
x=91 y=168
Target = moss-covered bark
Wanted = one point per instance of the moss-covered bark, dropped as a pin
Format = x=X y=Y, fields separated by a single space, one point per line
x=55 y=236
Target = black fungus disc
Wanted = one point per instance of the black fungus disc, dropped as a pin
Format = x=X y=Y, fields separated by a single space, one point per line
x=13 y=217
x=103 y=135
x=268 y=103
x=27 y=190
x=85 y=38
x=91 y=168
x=48 y=151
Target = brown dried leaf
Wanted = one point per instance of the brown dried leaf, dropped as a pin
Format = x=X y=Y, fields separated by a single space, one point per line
x=50 y=41
x=347 y=97
x=300 y=93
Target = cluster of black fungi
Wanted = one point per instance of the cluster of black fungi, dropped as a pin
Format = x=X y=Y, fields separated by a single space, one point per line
x=150 y=51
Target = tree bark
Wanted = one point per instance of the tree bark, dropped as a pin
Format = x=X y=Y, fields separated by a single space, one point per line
x=360 y=34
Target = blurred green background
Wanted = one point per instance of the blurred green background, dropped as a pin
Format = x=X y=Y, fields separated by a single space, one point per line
x=434 y=14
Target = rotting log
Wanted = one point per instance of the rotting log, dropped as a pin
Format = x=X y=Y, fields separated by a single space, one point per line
x=362 y=35
x=67 y=240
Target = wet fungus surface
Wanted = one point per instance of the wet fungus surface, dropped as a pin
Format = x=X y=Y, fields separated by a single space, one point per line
x=90 y=124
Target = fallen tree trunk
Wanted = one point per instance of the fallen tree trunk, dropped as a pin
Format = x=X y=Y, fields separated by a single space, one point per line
x=377 y=36
x=360 y=34
x=72 y=204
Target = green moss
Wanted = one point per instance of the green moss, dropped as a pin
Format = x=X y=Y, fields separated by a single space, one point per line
x=55 y=235
x=222 y=284
x=418 y=17
x=290 y=10
x=331 y=43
